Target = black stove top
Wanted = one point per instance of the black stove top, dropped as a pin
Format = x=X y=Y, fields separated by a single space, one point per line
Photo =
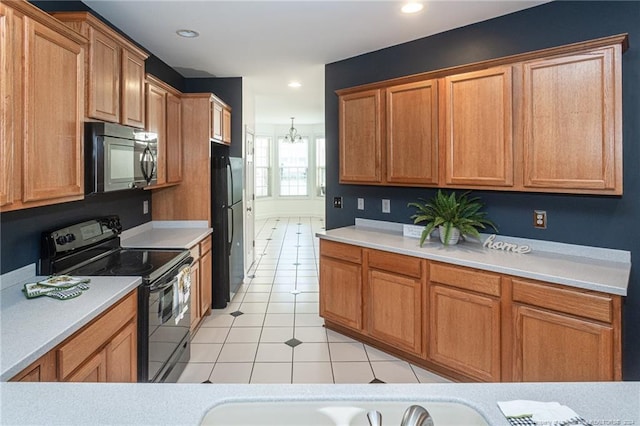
x=93 y=248
x=148 y=264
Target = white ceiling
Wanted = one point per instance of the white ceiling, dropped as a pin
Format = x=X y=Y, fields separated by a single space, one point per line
x=272 y=42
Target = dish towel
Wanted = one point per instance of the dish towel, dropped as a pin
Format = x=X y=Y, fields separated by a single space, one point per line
x=181 y=293
x=535 y=413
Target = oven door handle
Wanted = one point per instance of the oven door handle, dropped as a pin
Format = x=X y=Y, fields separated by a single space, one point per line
x=169 y=282
x=157 y=289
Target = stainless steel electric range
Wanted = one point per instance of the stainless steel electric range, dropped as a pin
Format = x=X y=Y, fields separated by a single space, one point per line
x=93 y=247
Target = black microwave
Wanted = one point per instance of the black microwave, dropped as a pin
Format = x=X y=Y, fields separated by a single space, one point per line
x=119 y=157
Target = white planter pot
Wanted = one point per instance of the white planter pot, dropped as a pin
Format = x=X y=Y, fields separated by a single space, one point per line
x=454 y=236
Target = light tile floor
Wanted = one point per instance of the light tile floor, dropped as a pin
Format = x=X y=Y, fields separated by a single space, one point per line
x=271 y=331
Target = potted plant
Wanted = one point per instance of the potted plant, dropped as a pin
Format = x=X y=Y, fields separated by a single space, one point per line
x=453 y=215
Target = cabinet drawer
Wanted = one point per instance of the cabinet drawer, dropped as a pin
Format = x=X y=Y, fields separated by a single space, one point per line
x=80 y=346
x=468 y=279
x=341 y=251
x=205 y=245
x=575 y=302
x=405 y=265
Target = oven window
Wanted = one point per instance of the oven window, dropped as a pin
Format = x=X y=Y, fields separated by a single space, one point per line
x=121 y=165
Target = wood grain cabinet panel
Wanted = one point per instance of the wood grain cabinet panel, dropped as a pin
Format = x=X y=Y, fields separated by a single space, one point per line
x=361 y=137
x=340 y=289
x=572 y=111
x=412 y=133
x=554 y=347
x=156 y=123
x=53 y=163
x=195 y=295
x=394 y=310
x=133 y=96
x=8 y=103
x=206 y=265
x=478 y=142
x=93 y=370
x=465 y=332
x=115 y=71
x=216 y=121
x=103 y=100
x=122 y=355
x=174 y=138
x=226 y=126
x=42 y=370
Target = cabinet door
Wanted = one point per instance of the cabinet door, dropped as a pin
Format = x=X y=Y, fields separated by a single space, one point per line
x=216 y=121
x=53 y=160
x=122 y=356
x=478 y=128
x=465 y=332
x=94 y=370
x=43 y=370
x=195 y=295
x=104 y=77
x=226 y=126
x=394 y=310
x=133 y=99
x=174 y=139
x=552 y=347
x=412 y=133
x=156 y=123
x=360 y=137
x=572 y=122
x=8 y=103
x=341 y=292
x=206 y=263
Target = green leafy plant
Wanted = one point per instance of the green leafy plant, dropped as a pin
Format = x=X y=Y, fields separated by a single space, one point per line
x=451 y=211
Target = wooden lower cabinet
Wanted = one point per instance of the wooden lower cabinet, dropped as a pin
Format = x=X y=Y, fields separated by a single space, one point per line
x=105 y=350
x=470 y=324
x=201 y=271
x=465 y=332
x=555 y=347
x=340 y=285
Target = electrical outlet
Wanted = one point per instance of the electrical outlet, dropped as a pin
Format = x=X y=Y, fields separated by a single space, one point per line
x=360 y=203
x=386 y=206
x=337 y=202
x=145 y=207
x=540 y=219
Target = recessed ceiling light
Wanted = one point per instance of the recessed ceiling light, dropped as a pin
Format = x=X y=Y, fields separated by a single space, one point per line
x=187 y=33
x=294 y=84
x=412 y=7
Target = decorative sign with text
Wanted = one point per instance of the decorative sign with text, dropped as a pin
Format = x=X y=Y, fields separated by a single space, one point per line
x=491 y=243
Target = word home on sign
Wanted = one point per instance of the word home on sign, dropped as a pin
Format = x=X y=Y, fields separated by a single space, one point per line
x=491 y=243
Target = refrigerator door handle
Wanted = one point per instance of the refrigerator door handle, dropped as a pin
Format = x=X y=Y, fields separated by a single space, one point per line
x=230 y=236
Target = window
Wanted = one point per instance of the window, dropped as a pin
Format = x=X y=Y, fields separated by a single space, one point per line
x=293 y=159
x=262 y=159
x=321 y=168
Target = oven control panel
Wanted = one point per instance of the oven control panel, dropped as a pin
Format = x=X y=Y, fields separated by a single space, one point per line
x=80 y=235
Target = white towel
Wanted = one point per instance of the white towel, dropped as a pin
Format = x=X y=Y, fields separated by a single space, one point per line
x=541 y=413
x=182 y=293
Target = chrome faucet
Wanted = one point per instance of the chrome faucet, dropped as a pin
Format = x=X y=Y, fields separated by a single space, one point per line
x=416 y=416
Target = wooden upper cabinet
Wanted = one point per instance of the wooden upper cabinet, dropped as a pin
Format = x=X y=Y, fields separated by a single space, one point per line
x=478 y=141
x=115 y=71
x=42 y=97
x=53 y=163
x=572 y=108
x=103 y=96
x=360 y=137
x=7 y=106
x=133 y=96
x=412 y=133
x=174 y=138
x=226 y=126
x=220 y=121
x=156 y=123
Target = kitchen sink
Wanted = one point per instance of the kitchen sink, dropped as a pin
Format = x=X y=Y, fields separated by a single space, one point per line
x=335 y=413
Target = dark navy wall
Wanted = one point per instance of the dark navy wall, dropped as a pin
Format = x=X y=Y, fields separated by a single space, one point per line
x=600 y=221
x=229 y=90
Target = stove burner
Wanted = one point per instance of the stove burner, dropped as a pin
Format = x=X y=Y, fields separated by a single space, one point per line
x=132 y=269
x=132 y=262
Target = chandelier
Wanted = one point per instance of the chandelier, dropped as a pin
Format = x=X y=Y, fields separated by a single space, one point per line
x=293 y=135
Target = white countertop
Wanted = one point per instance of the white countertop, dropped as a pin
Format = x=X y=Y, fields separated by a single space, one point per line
x=31 y=327
x=605 y=403
x=166 y=235
x=575 y=269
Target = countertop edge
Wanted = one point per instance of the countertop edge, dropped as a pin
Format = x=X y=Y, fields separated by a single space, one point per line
x=327 y=235
x=21 y=364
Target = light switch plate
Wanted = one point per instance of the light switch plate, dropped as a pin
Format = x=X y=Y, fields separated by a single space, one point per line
x=360 y=203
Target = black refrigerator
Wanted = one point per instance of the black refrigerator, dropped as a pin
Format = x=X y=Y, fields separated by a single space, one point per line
x=227 y=222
